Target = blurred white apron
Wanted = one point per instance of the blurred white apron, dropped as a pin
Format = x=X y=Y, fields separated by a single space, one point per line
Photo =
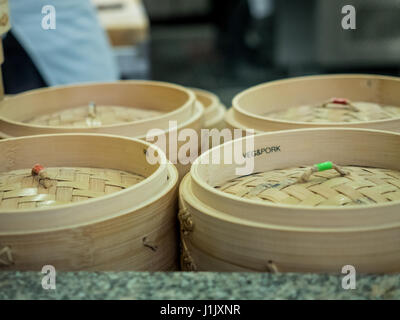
x=76 y=51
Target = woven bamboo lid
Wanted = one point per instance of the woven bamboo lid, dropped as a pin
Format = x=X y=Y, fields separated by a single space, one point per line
x=362 y=101
x=93 y=116
x=129 y=108
x=332 y=111
x=20 y=189
x=273 y=161
x=357 y=186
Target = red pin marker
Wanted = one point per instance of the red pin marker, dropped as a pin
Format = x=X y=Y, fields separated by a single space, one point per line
x=44 y=179
x=340 y=101
x=37 y=168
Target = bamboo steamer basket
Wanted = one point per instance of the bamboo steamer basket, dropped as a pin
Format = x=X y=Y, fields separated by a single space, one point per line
x=214 y=110
x=106 y=208
x=146 y=105
x=237 y=223
x=255 y=108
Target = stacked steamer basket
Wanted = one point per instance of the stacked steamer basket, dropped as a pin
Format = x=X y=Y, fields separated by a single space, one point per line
x=352 y=101
x=288 y=214
x=126 y=108
x=214 y=110
x=86 y=202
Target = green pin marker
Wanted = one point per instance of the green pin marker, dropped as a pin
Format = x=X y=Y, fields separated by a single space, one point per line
x=324 y=166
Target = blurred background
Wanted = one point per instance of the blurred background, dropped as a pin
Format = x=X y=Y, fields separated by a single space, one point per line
x=227 y=46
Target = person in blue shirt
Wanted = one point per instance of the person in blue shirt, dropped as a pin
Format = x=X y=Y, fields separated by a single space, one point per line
x=55 y=42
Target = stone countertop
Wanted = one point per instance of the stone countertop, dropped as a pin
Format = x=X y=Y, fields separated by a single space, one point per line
x=188 y=286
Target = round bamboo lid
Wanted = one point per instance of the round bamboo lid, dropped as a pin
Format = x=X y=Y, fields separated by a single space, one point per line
x=337 y=110
x=93 y=116
x=128 y=108
x=368 y=157
x=347 y=186
x=342 y=100
x=31 y=188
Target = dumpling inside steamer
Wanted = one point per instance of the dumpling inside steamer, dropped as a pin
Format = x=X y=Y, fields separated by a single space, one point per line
x=358 y=186
x=20 y=189
x=337 y=110
x=93 y=115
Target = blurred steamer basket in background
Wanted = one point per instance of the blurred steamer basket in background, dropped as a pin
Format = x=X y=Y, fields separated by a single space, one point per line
x=91 y=202
x=300 y=210
x=4 y=27
x=214 y=110
x=127 y=108
x=348 y=101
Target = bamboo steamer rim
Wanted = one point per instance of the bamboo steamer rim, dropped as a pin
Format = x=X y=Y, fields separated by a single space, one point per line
x=151 y=183
x=240 y=112
x=180 y=113
x=335 y=219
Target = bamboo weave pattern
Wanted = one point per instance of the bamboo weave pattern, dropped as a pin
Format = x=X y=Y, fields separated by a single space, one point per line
x=20 y=190
x=105 y=115
x=331 y=113
x=361 y=186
